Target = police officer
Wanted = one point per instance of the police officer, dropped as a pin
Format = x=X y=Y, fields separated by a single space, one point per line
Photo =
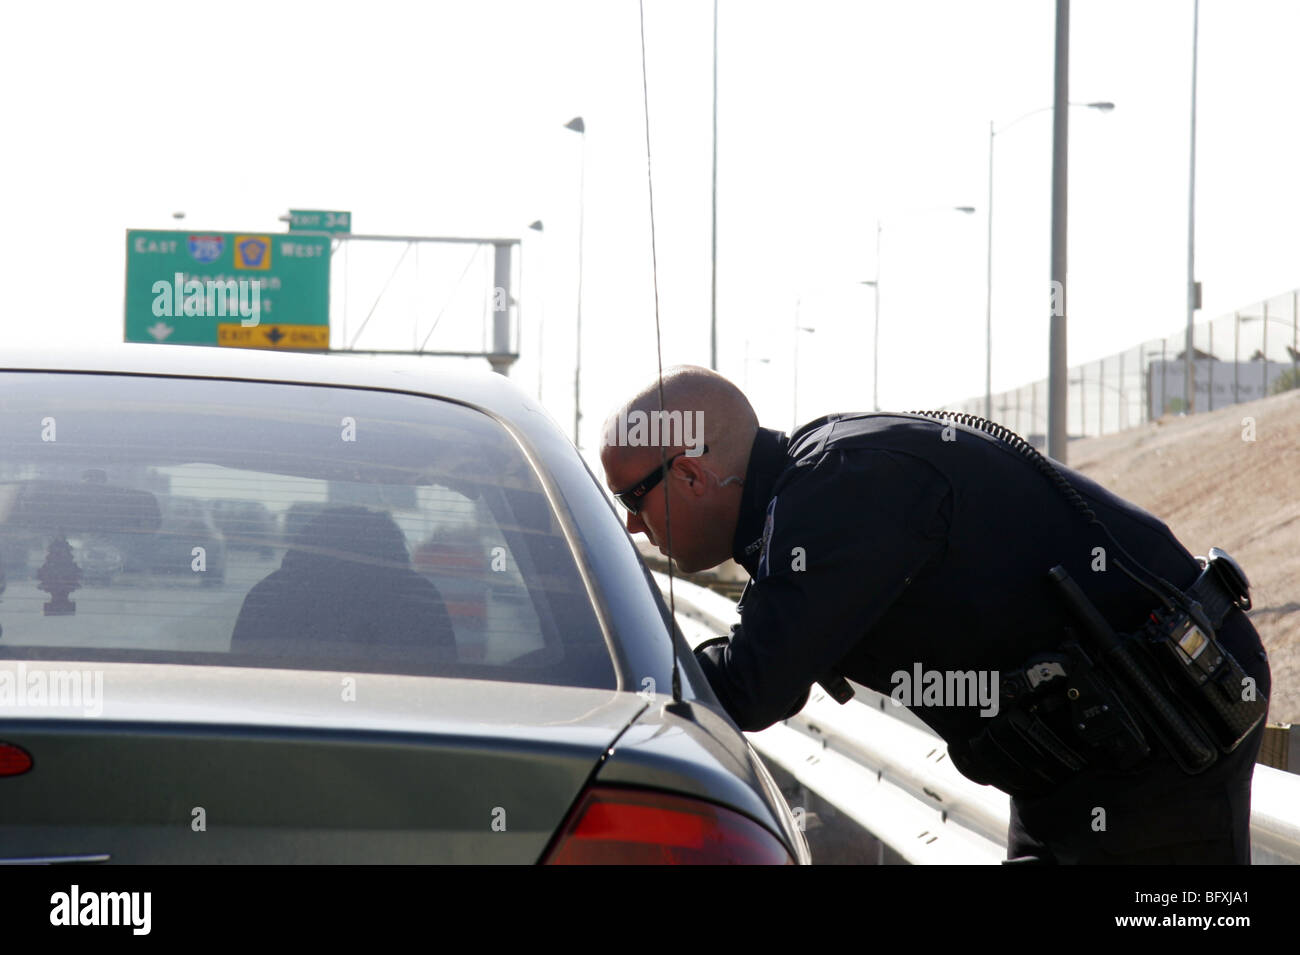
x=899 y=550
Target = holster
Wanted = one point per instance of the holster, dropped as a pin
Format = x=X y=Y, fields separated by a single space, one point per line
x=1060 y=714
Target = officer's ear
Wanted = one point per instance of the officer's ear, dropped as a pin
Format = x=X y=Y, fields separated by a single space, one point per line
x=692 y=473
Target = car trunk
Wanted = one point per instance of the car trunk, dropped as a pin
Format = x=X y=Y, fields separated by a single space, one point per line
x=229 y=765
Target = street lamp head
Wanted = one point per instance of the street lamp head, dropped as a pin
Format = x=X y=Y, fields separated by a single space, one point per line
x=536 y=226
x=178 y=215
x=1104 y=106
x=968 y=210
x=576 y=124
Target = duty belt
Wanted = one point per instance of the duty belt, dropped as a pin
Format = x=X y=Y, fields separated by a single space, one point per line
x=1104 y=702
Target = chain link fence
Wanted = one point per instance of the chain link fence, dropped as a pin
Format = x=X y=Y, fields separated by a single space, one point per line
x=1249 y=354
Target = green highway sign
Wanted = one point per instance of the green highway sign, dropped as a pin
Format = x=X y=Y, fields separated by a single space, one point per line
x=319 y=220
x=227 y=288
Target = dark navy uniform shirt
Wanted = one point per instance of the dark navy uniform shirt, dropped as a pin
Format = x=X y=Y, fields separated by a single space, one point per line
x=877 y=542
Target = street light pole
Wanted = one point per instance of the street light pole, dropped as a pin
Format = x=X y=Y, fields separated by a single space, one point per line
x=1058 y=368
x=875 y=283
x=794 y=389
x=875 y=346
x=761 y=361
x=537 y=227
x=988 y=296
x=797 y=329
x=578 y=126
x=1190 y=363
x=875 y=287
x=1101 y=106
x=713 y=258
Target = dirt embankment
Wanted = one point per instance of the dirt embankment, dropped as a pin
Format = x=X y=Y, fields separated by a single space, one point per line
x=1229 y=479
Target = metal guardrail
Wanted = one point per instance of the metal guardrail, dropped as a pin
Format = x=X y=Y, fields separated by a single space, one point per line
x=882 y=767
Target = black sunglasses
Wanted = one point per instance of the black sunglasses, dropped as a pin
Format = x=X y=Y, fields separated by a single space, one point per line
x=632 y=497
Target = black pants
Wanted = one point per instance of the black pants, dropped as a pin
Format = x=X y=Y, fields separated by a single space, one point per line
x=1160 y=815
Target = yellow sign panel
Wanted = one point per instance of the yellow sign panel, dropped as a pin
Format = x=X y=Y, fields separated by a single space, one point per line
x=273 y=336
x=253 y=252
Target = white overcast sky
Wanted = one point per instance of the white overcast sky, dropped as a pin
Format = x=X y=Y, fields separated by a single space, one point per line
x=446 y=118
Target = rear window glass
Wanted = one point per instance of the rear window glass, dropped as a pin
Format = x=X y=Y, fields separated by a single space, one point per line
x=273 y=525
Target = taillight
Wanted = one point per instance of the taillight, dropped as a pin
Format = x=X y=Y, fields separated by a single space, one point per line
x=14 y=760
x=612 y=826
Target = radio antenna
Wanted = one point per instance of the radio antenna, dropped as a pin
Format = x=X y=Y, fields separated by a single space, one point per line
x=677 y=705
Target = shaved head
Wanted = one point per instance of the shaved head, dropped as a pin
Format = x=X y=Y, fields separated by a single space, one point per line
x=699 y=409
x=724 y=413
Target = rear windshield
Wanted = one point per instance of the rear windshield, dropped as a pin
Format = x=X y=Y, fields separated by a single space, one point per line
x=271 y=525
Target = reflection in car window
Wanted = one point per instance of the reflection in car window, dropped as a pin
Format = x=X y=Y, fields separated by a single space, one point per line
x=275 y=525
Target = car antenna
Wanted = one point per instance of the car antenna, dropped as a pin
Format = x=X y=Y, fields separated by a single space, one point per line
x=678 y=706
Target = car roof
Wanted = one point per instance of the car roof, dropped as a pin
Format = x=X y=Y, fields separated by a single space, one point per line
x=426 y=375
